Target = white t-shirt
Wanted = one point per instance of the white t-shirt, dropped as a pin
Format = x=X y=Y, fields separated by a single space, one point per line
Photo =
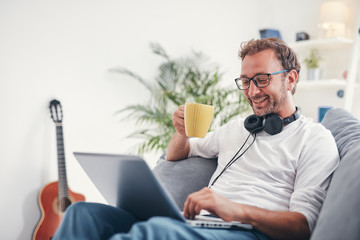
x=289 y=171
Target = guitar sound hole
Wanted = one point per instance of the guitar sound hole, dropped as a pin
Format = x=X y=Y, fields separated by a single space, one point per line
x=64 y=203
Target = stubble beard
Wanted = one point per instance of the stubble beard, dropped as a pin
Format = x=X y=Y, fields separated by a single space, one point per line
x=275 y=102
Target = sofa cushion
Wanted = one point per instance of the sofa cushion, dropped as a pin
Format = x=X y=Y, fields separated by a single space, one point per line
x=339 y=217
x=180 y=178
x=344 y=127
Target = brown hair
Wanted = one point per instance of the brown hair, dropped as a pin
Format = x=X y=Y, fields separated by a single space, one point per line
x=286 y=56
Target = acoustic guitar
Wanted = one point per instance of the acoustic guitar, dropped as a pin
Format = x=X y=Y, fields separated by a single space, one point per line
x=55 y=197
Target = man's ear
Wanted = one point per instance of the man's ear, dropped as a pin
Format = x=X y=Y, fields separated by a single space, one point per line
x=292 y=78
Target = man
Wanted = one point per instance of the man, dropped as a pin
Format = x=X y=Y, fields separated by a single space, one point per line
x=293 y=168
x=277 y=181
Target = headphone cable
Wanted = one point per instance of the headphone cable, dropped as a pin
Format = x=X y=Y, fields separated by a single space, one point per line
x=234 y=158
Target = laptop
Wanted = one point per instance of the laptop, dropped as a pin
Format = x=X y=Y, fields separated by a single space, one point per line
x=127 y=182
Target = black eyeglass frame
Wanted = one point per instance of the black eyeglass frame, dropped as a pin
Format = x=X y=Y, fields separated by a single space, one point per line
x=238 y=80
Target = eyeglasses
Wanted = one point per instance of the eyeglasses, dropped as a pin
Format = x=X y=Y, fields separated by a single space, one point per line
x=260 y=80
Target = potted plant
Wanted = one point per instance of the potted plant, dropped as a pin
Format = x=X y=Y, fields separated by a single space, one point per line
x=312 y=65
x=180 y=80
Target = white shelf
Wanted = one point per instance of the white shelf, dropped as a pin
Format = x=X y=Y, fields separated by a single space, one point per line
x=336 y=53
x=322 y=44
x=325 y=83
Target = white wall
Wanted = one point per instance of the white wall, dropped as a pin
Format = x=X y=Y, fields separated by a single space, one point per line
x=63 y=49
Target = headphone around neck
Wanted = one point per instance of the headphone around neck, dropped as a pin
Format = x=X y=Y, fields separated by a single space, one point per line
x=271 y=123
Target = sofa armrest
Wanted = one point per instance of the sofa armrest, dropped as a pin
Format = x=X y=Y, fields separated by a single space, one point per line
x=180 y=178
x=339 y=217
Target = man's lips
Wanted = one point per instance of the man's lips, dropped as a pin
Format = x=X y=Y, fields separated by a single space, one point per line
x=257 y=100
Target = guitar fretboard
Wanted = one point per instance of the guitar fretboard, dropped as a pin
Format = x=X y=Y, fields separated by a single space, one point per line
x=62 y=183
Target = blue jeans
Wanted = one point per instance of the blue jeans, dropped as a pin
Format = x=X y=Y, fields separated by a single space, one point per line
x=97 y=221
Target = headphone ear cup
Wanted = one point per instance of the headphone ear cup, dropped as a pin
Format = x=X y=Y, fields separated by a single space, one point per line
x=254 y=124
x=273 y=124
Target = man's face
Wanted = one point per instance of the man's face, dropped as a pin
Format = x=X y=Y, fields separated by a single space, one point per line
x=271 y=99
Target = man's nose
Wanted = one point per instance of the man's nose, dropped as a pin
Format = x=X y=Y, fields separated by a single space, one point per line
x=253 y=89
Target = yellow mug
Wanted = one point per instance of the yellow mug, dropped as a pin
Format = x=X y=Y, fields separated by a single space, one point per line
x=198 y=119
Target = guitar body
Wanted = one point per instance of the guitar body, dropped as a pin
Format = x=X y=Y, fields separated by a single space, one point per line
x=51 y=210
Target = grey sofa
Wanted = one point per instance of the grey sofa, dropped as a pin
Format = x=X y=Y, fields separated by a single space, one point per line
x=340 y=215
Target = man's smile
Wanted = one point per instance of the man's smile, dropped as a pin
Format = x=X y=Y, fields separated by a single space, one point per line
x=257 y=100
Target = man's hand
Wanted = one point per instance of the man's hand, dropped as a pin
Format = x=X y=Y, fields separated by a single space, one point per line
x=179 y=146
x=178 y=120
x=213 y=202
x=275 y=224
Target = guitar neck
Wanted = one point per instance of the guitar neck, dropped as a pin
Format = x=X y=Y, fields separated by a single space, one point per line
x=63 y=191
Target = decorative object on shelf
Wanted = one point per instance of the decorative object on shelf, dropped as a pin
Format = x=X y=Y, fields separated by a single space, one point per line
x=345 y=74
x=334 y=19
x=266 y=33
x=179 y=80
x=312 y=65
x=301 y=36
x=322 y=111
x=340 y=93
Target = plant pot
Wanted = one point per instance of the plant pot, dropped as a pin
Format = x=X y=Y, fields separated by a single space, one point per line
x=314 y=74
